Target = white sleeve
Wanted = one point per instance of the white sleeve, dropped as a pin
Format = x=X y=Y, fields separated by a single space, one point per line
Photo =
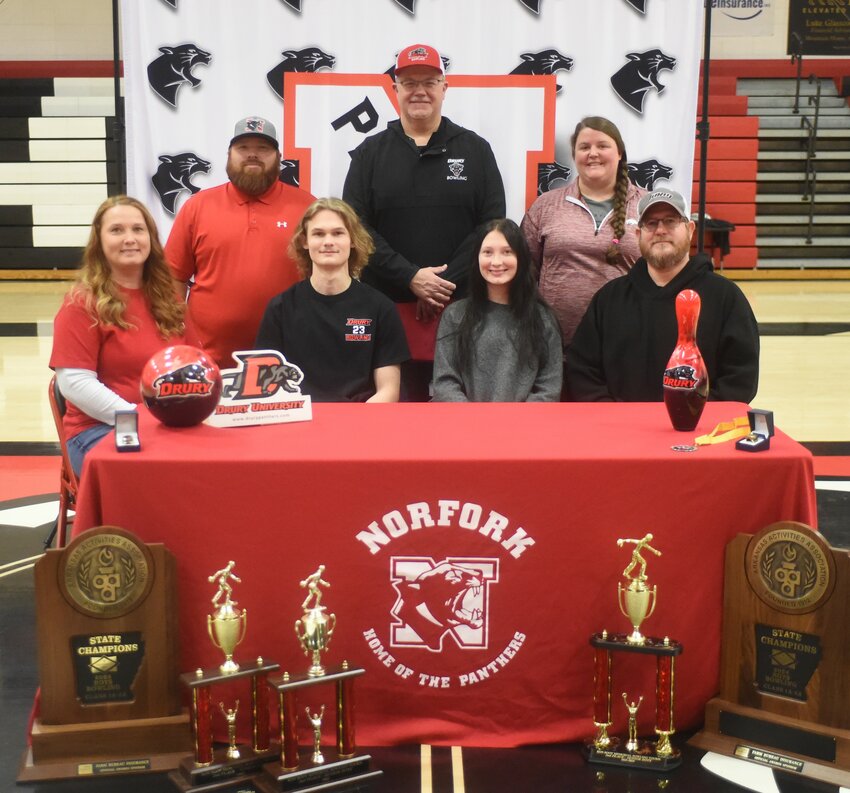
x=82 y=387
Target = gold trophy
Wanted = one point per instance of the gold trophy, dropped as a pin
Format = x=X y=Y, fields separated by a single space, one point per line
x=315 y=628
x=315 y=720
x=632 y=745
x=227 y=626
x=229 y=714
x=637 y=600
x=325 y=767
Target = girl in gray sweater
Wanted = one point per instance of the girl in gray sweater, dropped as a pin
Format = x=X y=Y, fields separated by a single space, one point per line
x=502 y=343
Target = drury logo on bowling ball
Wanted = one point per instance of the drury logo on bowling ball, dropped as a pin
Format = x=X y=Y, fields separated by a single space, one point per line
x=681 y=377
x=189 y=380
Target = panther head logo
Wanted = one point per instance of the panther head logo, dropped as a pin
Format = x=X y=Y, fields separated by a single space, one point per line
x=645 y=174
x=435 y=599
x=682 y=376
x=283 y=376
x=173 y=176
x=290 y=172
x=640 y=75
x=174 y=68
x=310 y=59
x=551 y=175
x=391 y=71
x=260 y=374
x=543 y=62
x=187 y=381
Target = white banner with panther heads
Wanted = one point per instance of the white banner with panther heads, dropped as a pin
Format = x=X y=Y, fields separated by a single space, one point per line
x=194 y=67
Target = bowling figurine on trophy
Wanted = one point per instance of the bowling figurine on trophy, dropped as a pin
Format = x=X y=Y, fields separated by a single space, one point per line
x=227 y=627
x=230 y=768
x=337 y=766
x=637 y=602
x=315 y=628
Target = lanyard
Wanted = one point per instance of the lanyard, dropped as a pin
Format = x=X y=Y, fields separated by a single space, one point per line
x=725 y=431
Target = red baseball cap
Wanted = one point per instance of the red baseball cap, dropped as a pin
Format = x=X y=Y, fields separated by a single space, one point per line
x=419 y=55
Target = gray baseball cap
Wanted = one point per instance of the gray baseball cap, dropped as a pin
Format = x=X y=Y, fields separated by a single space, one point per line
x=255 y=125
x=671 y=197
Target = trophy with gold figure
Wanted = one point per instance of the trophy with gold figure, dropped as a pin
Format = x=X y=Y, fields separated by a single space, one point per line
x=231 y=767
x=323 y=766
x=227 y=626
x=637 y=600
x=315 y=628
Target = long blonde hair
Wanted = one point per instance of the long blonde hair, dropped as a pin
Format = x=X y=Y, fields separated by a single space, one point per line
x=362 y=246
x=101 y=295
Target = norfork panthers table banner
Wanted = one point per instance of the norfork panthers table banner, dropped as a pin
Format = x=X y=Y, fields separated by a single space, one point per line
x=193 y=67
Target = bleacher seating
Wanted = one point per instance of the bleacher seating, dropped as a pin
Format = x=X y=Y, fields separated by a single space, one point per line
x=58 y=164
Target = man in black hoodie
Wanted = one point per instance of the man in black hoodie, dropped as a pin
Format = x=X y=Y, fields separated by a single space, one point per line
x=625 y=339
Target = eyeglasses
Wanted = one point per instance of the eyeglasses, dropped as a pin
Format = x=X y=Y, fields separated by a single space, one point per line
x=429 y=84
x=670 y=224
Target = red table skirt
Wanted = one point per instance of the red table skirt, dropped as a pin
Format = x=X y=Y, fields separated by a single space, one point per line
x=471 y=550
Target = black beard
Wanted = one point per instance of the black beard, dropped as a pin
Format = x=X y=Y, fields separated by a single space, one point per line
x=253 y=184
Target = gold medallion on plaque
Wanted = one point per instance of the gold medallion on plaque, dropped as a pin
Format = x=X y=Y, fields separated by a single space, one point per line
x=790 y=567
x=106 y=572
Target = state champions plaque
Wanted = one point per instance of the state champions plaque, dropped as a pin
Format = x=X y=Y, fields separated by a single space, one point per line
x=107 y=644
x=784 y=655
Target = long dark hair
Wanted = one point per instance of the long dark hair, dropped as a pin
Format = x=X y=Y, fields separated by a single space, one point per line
x=523 y=300
x=621 y=186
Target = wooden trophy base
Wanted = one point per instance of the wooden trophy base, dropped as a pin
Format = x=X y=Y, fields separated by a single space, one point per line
x=807 y=748
x=135 y=746
x=222 y=774
x=336 y=773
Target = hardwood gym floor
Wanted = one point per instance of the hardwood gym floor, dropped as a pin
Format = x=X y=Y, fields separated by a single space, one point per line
x=805 y=327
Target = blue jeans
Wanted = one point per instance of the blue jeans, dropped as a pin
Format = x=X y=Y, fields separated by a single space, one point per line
x=80 y=444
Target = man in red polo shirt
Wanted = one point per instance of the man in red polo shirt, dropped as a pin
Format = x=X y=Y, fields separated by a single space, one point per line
x=228 y=243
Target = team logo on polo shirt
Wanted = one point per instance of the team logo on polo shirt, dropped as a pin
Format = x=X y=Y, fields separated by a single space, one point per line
x=358 y=329
x=455 y=170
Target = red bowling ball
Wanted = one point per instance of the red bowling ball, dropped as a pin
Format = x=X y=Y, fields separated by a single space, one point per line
x=181 y=385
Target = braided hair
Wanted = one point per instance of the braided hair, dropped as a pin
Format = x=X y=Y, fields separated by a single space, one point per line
x=621 y=186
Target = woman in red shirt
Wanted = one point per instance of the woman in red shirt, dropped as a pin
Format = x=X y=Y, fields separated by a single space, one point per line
x=124 y=307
